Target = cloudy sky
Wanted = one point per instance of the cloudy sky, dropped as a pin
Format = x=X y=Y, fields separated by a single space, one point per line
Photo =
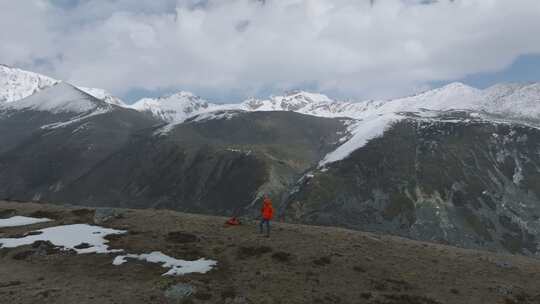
x=226 y=50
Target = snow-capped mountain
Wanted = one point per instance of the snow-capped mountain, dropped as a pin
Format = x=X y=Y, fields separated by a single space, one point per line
x=372 y=117
x=452 y=96
x=516 y=100
x=174 y=108
x=307 y=103
x=17 y=84
x=521 y=100
x=293 y=101
x=449 y=155
x=178 y=107
x=59 y=98
x=510 y=101
x=103 y=95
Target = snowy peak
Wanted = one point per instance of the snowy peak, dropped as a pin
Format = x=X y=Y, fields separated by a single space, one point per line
x=17 y=84
x=59 y=98
x=516 y=100
x=173 y=108
x=456 y=86
x=296 y=100
x=300 y=99
x=455 y=89
x=513 y=101
x=452 y=96
x=291 y=101
x=103 y=95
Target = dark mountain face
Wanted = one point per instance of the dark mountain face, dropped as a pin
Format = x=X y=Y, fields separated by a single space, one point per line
x=45 y=160
x=18 y=126
x=453 y=179
x=121 y=158
x=217 y=166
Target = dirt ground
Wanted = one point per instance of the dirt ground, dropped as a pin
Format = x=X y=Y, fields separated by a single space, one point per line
x=297 y=264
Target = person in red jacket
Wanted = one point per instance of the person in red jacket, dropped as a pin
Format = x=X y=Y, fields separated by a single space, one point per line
x=267 y=213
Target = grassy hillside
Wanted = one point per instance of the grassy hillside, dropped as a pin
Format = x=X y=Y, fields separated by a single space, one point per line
x=297 y=264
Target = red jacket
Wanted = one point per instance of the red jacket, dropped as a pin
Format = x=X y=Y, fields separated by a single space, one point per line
x=267 y=209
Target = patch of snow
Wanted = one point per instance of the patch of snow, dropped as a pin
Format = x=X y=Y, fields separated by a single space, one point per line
x=199 y=117
x=68 y=237
x=248 y=152
x=163 y=131
x=517 y=177
x=80 y=128
x=16 y=221
x=36 y=197
x=56 y=186
x=214 y=115
x=362 y=132
x=177 y=267
x=75 y=119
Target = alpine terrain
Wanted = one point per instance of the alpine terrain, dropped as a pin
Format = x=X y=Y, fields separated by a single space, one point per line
x=454 y=165
x=70 y=254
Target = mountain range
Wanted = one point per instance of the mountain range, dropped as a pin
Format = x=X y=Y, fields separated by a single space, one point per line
x=456 y=164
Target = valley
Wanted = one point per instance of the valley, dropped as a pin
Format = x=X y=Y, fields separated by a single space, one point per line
x=454 y=165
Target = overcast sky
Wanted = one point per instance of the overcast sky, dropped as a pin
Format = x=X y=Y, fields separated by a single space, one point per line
x=227 y=50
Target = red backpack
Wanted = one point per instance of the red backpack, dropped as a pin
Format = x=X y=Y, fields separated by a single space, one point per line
x=233 y=221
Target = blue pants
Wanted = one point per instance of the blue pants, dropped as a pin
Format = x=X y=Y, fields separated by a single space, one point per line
x=267 y=222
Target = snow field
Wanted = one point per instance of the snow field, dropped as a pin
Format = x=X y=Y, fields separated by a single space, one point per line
x=84 y=238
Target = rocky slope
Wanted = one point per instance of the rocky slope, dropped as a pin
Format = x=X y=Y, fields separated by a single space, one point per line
x=297 y=264
x=52 y=110
x=517 y=101
x=120 y=157
x=454 y=178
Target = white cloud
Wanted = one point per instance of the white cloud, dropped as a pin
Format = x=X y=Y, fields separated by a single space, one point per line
x=347 y=47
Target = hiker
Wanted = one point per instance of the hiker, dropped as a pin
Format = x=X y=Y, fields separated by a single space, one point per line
x=267 y=212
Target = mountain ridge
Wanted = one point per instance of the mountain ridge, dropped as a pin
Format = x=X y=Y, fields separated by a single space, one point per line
x=519 y=102
x=453 y=164
x=17 y=84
